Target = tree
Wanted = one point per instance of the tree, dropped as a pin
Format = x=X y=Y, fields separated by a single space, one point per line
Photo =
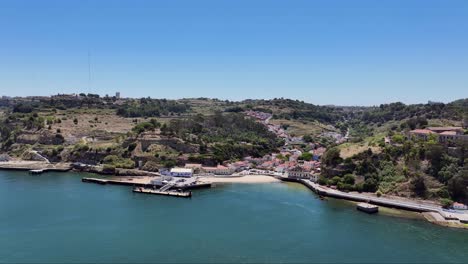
x=307 y=138
x=434 y=153
x=446 y=203
x=349 y=179
x=334 y=181
x=458 y=186
x=447 y=172
x=332 y=157
x=399 y=139
x=370 y=185
x=307 y=156
x=418 y=186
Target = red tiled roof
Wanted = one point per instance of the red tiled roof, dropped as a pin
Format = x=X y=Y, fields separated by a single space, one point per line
x=422 y=131
x=445 y=128
x=451 y=133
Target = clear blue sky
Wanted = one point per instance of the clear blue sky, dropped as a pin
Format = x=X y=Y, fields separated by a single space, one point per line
x=324 y=52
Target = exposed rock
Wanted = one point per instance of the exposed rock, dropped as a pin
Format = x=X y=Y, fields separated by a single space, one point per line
x=4 y=158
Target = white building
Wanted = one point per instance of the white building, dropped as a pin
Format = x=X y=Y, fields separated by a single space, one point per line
x=298 y=174
x=182 y=172
x=459 y=206
x=219 y=170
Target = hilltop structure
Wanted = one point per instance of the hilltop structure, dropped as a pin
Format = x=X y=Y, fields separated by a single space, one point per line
x=443 y=134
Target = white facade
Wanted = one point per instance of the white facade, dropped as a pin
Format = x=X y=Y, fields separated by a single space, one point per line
x=181 y=172
x=299 y=174
x=219 y=170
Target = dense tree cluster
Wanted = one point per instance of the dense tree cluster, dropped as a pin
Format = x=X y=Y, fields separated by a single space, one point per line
x=227 y=136
x=409 y=162
x=146 y=107
x=419 y=112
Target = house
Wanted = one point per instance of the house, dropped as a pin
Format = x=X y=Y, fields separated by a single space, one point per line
x=181 y=172
x=443 y=134
x=298 y=173
x=280 y=169
x=459 y=206
x=315 y=177
x=422 y=134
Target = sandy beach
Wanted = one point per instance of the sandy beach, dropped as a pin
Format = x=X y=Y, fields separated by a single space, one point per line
x=241 y=179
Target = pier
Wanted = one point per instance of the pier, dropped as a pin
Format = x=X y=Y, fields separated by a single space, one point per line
x=162 y=192
x=144 y=182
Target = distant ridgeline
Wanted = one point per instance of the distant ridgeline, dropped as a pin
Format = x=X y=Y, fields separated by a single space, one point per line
x=280 y=108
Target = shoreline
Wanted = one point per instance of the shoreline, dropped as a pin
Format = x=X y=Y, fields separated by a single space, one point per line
x=430 y=216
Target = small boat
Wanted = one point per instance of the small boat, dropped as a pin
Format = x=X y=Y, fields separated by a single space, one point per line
x=367 y=208
x=36 y=172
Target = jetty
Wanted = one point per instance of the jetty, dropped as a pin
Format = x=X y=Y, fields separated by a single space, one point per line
x=144 y=182
x=162 y=192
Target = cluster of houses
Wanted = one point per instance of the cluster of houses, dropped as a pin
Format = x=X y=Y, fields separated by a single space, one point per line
x=338 y=137
x=286 y=163
x=442 y=134
x=264 y=118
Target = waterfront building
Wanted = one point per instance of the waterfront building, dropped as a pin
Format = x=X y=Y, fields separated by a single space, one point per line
x=219 y=170
x=459 y=206
x=315 y=177
x=194 y=166
x=181 y=172
x=298 y=173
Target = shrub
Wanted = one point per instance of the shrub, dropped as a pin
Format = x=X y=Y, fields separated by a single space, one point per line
x=446 y=203
x=132 y=146
x=119 y=162
x=306 y=156
x=108 y=169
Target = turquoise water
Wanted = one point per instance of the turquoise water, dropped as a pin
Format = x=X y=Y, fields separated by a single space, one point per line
x=56 y=218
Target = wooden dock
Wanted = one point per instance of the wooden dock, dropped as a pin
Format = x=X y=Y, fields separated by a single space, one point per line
x=159 y=192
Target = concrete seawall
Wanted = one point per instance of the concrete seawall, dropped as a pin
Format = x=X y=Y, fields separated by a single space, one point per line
x=324 y=191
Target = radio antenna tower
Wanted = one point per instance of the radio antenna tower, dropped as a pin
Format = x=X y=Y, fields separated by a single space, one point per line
x=89 y=71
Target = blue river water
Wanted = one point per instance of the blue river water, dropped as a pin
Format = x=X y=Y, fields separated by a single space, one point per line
x=55 y=217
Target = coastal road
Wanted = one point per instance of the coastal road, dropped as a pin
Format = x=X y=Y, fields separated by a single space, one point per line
x=415 y=206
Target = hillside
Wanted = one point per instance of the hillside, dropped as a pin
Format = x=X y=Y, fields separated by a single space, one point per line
x=155 y=133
